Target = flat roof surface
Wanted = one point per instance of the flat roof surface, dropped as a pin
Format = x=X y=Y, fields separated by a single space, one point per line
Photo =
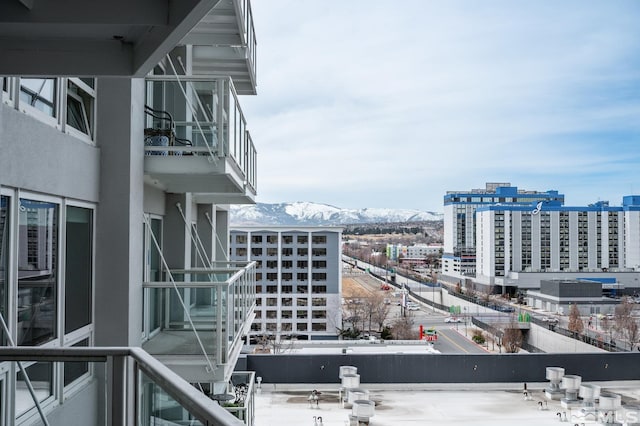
x=436 y=404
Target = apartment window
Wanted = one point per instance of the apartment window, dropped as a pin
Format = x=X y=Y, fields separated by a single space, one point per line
x=318 y=326
x=303 y=252
x=256 y=251
x=37 y=272
x=286 y=314
x=301 y=302
x=287 y=264
x=258 y=314
x=272 y=252
x=319 y=289
x=4 y=259
x=318 y=314
x=319 y=264
x=301 y=314
x=80 y=106
x=286 y=326
x=272 y=301
x=319 y=276
x=287 y=301
x=259 y=278
x=272 y=276
x=272 y=289
x=241 y=252
x=303 y=239
x=301 y=327
x=287 y=289
x=272 y=239
x=302 y=289
x=303 y=264
x=272 y=264
x=78 y=268
x=256 y=239
x=302 y=276
x=272 y=314
x=241 y=239
x=39 y=93
x=319 y=252
x=319 y=239
x=287 y=252
x=75 y=370
x=319 y=301
x=287 y=276
x=41 y=374
x=272 y=327
x=258 y=301
x=287 y=239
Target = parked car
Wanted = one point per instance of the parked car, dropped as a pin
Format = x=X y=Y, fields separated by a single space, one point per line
x=550 y=320
x=453 y=319
x=413 y=308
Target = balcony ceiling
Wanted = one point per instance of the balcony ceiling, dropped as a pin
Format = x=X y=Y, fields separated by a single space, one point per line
x=93 y=37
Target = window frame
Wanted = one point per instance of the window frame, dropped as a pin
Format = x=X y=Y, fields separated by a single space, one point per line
x=89 y=117
x=35 y=112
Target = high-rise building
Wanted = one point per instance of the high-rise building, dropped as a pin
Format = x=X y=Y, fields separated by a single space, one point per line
x=547 y=241
x=459 y=251
x=123 y=145
x=298 y=279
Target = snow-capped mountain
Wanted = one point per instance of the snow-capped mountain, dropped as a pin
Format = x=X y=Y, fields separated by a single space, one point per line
x=315 y=214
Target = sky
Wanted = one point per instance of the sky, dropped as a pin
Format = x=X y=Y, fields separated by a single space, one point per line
x=381 y=104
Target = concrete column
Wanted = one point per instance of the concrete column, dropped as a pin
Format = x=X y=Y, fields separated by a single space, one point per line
x=222 y=236
x=119 y=219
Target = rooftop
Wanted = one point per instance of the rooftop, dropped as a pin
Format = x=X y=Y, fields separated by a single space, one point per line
x=430 y=404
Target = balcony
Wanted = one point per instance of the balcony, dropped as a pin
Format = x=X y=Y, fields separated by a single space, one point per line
x=196 y=140
x=140 y=389
x=201 y=316
x=224 y=43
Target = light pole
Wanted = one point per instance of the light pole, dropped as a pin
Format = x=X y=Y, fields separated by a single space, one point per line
x=465 y=320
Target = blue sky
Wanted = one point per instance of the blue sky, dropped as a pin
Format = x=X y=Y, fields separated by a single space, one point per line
x=370 y=103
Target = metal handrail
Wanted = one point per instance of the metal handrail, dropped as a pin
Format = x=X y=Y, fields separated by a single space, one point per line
x=187 y=396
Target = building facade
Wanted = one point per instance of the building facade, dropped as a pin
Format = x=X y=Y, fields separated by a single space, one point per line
x=571 y=242
x=121 y=156
x=459 y=251
x=298 y=279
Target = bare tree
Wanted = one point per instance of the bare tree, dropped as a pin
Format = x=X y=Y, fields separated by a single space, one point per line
x=575 y=321
x=625 y=324
x=512 y=337
x=403 y=328
x=378 y=310
x=272 y=344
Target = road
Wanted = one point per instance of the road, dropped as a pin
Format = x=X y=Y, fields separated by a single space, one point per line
x=451 y=336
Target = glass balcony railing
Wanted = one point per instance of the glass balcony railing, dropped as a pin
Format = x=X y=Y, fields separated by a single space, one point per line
x=188 y=115
x=162 y=397
x=203 y=310
x=248 y=32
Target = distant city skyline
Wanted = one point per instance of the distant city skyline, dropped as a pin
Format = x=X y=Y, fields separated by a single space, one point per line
x=369 y=104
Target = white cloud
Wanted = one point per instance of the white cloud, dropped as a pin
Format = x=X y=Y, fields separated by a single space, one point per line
x=416 y=98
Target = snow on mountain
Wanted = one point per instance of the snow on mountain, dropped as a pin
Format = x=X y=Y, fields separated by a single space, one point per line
x=316 y=214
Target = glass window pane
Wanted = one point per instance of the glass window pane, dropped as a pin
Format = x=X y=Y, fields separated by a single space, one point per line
x=41 y=377
x=75 y=370
x=78 y=268
x=37 y=272
x=39 y=93
x=4 y=259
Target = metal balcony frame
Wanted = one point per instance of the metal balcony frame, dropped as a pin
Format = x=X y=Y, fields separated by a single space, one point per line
x=120 y=361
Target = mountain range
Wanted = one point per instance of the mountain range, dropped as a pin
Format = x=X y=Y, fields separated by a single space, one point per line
x=316 y=214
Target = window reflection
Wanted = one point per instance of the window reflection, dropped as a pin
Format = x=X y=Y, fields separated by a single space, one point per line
x=37 y=272
x=78 y=269
x=41 y=377
x=4 y=258
x=39 y=93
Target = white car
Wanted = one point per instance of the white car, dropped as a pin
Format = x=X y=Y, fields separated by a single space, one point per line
x=452 y=319
x=413 y=308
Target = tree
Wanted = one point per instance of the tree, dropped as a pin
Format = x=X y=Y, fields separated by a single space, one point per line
x=269 y=343
x=575 y=321
x=378 y=310
x=625 y=324
x=403 y=328
x=512 y=337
